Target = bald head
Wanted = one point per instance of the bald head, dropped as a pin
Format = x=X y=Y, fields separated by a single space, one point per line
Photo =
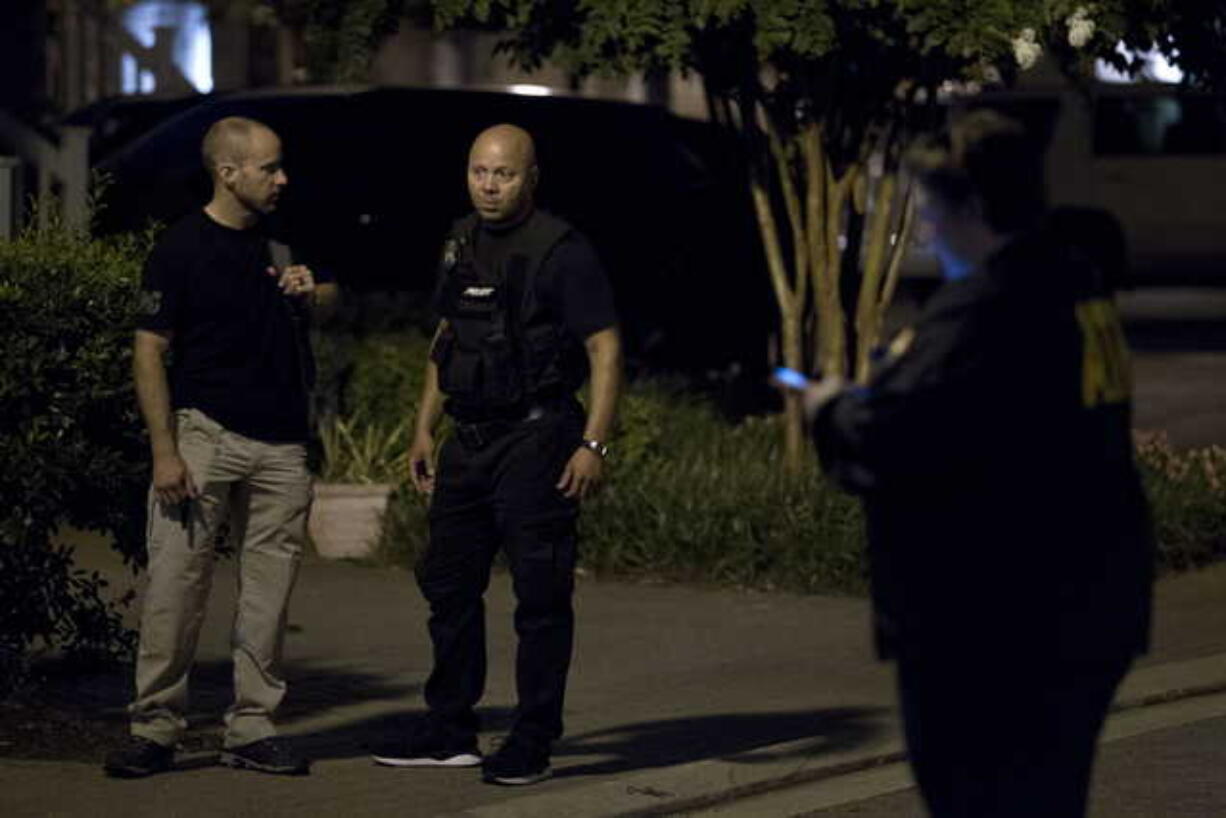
x=244 y=158
x=510 y=141
x=502 y=173
x=233 y=140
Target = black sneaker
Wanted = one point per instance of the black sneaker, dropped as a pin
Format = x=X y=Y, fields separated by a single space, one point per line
x=518 y=761
x=268 y=755
x=428 y=746
x=137 y=758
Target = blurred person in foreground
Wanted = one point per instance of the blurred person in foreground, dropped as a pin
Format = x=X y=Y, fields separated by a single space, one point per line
x=228 y=428
x=1009 y=538
x=527 y=314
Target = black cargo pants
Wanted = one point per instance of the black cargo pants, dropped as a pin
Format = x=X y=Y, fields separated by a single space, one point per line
x=499 y=490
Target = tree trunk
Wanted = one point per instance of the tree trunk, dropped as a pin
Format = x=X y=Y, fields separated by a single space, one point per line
x=790 y=320
x=817 y=334
x=869 y=310
x=826 y=199
x=882 y=266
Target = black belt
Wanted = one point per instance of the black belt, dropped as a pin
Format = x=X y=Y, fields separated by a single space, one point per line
x=479 y=434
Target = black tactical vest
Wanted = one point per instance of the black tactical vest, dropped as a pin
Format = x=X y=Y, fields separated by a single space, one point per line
x=503 y=349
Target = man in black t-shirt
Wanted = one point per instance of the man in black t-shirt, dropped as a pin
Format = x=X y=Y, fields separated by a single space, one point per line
x=227 y=429
x=527 y=315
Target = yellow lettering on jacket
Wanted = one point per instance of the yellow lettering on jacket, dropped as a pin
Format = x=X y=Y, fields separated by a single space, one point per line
x=1106 y=375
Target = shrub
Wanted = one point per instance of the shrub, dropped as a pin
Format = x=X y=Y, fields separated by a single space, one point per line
x=386 y=378
x=359 y=452
x=71 y=439
x=692 y=497
x=1187 y=493
x=369 y=358
x=699 y=499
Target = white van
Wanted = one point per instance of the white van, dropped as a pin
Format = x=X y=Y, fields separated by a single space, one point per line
x=1152 y=154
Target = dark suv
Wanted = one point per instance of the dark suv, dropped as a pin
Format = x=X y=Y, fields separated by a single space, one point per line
x=377 y=174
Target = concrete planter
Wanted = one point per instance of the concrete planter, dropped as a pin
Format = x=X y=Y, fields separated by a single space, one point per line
x=346 y=518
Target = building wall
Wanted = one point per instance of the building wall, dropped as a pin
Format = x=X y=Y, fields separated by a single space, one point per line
x=424 y=57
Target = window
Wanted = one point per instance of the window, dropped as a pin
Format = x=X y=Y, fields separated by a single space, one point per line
x=192 y=48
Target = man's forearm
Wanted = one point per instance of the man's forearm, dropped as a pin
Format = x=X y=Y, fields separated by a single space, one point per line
x=153 y=397
x=605 y=357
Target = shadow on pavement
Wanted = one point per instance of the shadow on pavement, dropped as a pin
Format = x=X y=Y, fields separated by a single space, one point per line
x=731 y=736
x=355 y=739
x=101 y=697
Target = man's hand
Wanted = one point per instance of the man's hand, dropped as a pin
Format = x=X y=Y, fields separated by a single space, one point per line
x=172 y=482
x=582 y=475
x=295 y=280
x=421 y=463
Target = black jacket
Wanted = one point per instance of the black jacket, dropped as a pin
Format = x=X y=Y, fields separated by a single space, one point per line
x=994 y=458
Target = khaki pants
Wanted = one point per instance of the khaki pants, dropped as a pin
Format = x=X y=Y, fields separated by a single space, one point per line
x=265 y=489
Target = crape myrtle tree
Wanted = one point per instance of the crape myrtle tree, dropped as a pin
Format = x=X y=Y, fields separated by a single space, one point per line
x=822 y=95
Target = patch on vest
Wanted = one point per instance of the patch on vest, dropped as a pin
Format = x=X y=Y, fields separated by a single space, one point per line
x=477 y=300
x=150 y=302
x=451 y=253
x=1106 y=375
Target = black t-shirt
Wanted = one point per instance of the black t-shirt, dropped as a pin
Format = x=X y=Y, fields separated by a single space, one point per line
x=571 y=281
x=236 y=344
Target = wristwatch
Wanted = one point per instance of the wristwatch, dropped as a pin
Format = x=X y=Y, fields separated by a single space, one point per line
x=602 y=449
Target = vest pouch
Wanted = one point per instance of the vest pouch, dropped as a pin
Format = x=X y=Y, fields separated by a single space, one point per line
x=502 y=382
x=459 y=374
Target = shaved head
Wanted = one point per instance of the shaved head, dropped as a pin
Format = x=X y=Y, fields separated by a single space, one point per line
x=244 y=158
x=232 y=141
x=502 y=173
x=510 y=141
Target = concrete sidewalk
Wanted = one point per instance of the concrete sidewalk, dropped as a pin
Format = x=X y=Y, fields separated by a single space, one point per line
x=679 y=697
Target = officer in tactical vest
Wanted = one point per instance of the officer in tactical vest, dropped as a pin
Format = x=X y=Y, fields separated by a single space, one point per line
x=526 y=314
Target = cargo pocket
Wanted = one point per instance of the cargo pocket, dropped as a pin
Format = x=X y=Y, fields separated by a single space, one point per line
x=189 y=525
x=198 y=436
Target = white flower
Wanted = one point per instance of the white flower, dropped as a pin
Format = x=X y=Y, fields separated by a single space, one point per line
x=1025 y=49
x=1080 y=27
x=957 y=88
x=991 y=75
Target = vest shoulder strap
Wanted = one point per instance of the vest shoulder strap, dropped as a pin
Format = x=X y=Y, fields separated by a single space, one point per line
x=545 y=230
x=542 y=234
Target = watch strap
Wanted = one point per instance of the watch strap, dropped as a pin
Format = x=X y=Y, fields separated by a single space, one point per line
x=601 y=449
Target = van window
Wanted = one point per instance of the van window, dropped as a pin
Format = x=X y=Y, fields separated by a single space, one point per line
x=1163 y=125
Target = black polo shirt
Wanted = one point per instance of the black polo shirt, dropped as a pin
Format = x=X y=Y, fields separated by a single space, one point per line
x=239 y=354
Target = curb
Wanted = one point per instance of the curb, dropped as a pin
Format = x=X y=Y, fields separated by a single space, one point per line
x=711 y=782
